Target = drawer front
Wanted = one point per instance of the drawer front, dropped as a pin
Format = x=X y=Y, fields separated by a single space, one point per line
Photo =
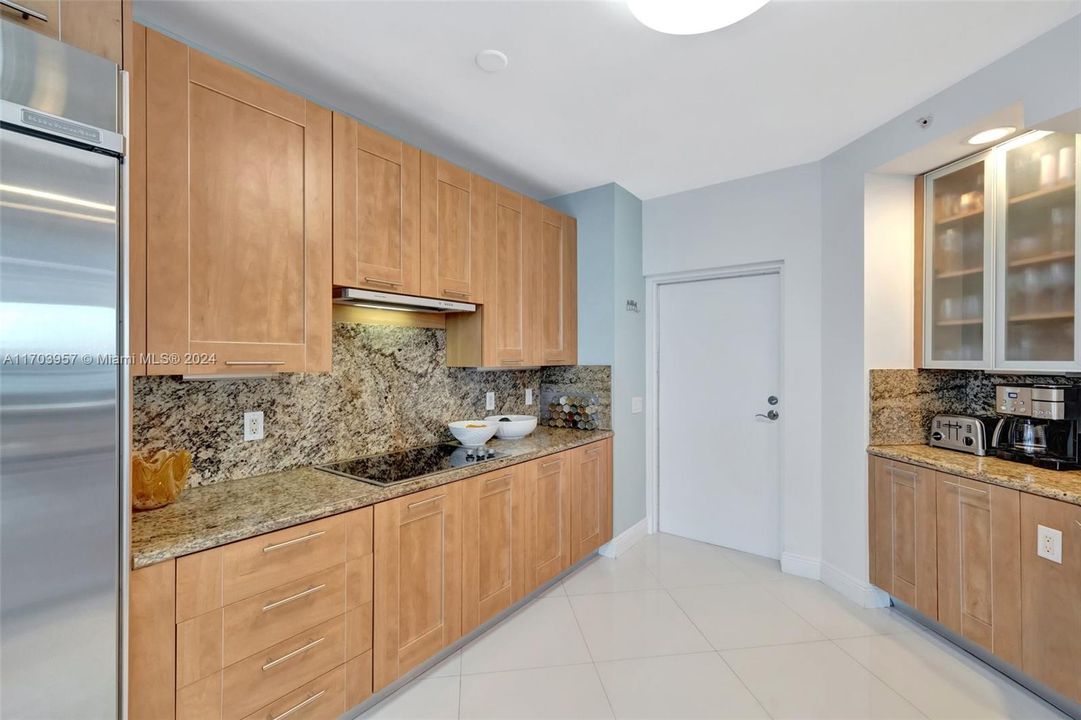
x=267 y=676
x=272 y=616
x=321 y=699
x=264 y=562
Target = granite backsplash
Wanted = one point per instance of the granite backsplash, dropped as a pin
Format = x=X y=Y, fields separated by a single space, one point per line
x=904 y=401
x=389 y=389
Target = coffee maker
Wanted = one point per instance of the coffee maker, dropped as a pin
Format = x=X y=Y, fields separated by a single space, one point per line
x=1038 y=424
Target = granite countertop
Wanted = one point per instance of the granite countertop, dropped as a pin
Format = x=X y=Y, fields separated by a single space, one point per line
x=1058 y=484
x=212 y=515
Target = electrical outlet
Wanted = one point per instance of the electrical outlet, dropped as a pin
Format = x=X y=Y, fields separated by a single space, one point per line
x=529 y=396
x=489 y=401
x=636 y=405
x=253 y=426
x=1049 y=543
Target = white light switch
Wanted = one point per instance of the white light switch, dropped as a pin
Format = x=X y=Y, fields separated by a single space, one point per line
x=636 y=405
x=1049 y=543
x=489 y=401
x=253 y=426
x=529 y=396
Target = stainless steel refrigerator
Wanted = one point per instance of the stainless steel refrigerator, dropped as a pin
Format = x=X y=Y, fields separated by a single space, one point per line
x=62 y=498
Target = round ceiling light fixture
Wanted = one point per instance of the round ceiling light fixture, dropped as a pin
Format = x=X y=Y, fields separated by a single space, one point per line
x=990 y=136
x=691 y=17
x=492 y=61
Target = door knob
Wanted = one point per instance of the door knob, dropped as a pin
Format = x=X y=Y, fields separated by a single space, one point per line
x=771 y=415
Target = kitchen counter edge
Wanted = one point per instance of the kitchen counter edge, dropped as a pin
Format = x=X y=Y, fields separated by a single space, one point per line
x=214 y=515
x=1062 y=485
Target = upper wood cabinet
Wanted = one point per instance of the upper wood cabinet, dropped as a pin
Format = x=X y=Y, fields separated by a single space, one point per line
x=591 y=498
x=556 y=290
x=903 y=533
x=494 y=552
x=1051 y=596
x=451 y=247
x=979 y=564
x=96 y=26
x=418 y=579
x=238 y=218
x=997 y=239
x=376 y=210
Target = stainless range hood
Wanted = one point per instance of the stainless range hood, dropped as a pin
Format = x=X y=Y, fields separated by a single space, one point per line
x=390 y=301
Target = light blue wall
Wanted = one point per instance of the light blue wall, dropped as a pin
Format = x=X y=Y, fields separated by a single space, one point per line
x=609 y=274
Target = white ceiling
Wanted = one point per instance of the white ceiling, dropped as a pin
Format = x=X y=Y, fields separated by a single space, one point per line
x=591 y=96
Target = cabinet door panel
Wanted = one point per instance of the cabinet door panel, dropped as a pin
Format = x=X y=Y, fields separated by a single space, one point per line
x=238 y=218
x=418 y=582
x=450 y=264
x=1051 y=596
x=590 y=500
x=493 y=551
x=556 y=291
x=979 y=571
x=511 y=332
x=905 y=534
x=549 y=517
x=376 y=210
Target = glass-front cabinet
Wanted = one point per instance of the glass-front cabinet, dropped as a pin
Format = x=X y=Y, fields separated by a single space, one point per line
x=1000 y=240
x=959 y=267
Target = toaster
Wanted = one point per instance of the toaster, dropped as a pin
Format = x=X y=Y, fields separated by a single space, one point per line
x=963 y=432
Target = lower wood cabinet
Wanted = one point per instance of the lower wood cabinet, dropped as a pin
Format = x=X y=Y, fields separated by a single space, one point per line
x=418 y=579
x=548 y=520
x=903 y=539
x=591 y=498
x=494 y=544
x=979 y=564
x=1051 y=597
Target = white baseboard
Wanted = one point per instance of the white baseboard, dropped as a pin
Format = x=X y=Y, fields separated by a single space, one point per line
x=625 y=540
x=801 y=565
x=859 y=592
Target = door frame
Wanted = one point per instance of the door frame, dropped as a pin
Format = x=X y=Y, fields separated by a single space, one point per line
x=653 y=285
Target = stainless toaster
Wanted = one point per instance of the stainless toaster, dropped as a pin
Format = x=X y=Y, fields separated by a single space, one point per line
x=963 y=432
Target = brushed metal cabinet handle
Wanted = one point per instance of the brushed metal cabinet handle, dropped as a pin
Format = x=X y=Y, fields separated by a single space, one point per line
x=964 y=487
x=289 y=656
x=418 y=503
x=294 y=541
x=379 y=281
x=291 y=598
x=458 y=293
x=301 y=704
x=550 y=463
x=26 y=12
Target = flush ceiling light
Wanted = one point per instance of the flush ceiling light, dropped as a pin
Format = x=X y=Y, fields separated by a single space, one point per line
x=691 y=17
x=492 y=61
x=990 y=136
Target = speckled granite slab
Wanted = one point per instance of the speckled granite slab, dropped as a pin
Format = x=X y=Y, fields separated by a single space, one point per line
x=1057 y=484
x=221 y=513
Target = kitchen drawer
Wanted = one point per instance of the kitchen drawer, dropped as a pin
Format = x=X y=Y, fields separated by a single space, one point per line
x=264 y=677
x=267 y=561
x=272 y=616
x=321 y=699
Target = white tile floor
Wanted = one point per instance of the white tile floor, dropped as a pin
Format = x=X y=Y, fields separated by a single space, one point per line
x=680 y=629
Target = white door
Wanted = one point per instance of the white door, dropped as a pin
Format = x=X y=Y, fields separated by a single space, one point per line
x=718 y=365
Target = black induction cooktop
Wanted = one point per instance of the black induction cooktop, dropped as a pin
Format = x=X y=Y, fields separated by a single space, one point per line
x=397 y=467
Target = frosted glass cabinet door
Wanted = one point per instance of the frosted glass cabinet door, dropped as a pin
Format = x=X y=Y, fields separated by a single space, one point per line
x=1038 y=242
x=957 y=261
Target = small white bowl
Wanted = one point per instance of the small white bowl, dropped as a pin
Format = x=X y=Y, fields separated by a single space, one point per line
x=514 y=427
x=473 y=433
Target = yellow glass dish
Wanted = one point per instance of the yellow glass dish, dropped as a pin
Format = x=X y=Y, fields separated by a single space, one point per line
x=159 y=481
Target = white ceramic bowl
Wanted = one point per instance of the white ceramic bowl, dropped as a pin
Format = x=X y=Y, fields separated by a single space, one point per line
x=514 y=427
x=473 y=433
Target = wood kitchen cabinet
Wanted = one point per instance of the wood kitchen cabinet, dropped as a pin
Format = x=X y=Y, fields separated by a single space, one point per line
x=96 y=26
x=556 y=290
x=903 y=533
x=591 y=498
x=548 y=519
x=451 y=247
x=238 y=219
x=494 y=539
x=979 y=564
x=418 y=579
x=1051 y=596
x=376 y=210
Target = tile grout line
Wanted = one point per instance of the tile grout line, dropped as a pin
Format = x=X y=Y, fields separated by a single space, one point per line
x=592 y=660
x=875 y=675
